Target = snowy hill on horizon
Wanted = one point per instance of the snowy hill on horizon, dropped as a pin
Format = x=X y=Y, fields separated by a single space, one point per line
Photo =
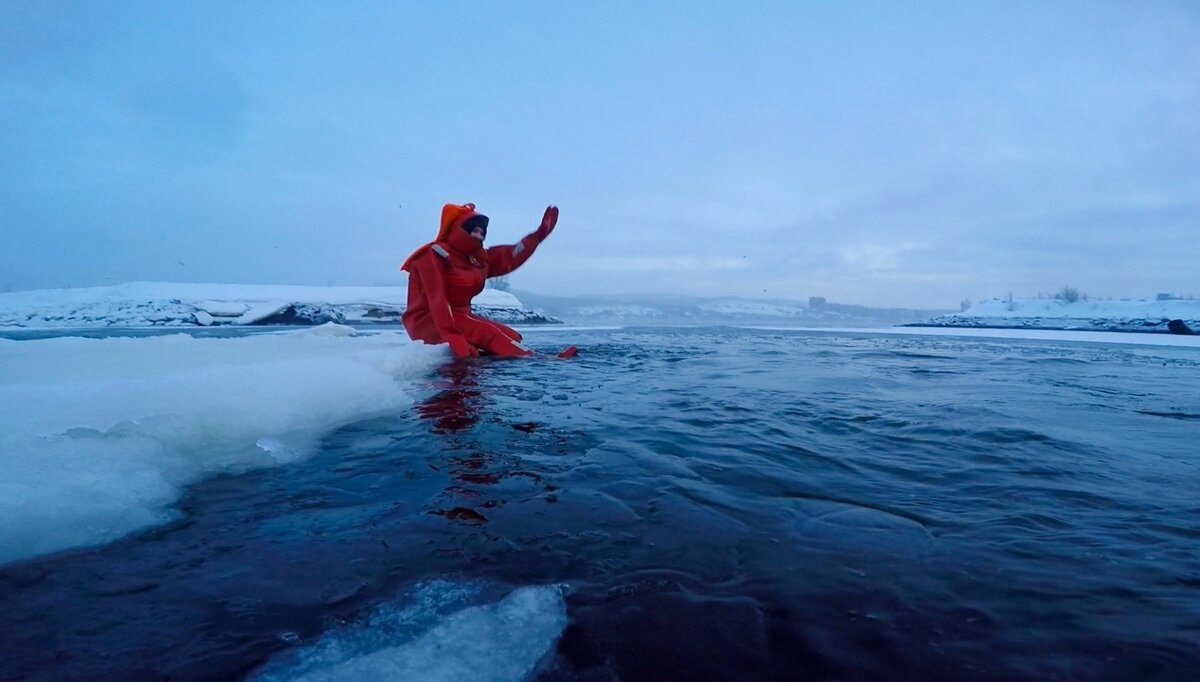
x=1176 y=316
x=177 y=304
x=677 y=309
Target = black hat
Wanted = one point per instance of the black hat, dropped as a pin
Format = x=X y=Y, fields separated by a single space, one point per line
x=477 y=220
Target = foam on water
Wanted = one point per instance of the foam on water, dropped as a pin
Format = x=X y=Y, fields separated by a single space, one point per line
x=99 y=436
x=441 y=633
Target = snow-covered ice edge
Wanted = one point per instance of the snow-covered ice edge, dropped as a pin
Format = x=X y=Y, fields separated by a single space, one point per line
x=101 y=436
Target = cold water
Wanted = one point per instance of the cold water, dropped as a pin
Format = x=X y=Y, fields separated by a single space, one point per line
x=700 y=504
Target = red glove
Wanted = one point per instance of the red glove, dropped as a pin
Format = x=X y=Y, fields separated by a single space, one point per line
x=549 y=220
x=462 y=349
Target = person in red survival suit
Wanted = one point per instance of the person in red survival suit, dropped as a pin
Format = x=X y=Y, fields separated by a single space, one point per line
x=445 y=274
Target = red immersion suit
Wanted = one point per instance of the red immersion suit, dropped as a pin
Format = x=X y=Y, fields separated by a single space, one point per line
x=445 y=274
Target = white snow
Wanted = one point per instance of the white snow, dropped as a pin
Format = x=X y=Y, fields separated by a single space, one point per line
x=1091 y=315
x=260 y=310
x=736 y=307
x=223 y=308
x=1085 y=310
x=619 y=309
x=1126 y=338
x=173 y=303
x=99 y=436
x=438 y=636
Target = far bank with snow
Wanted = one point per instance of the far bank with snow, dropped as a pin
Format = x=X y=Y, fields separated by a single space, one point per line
x=173 y=304
x=1165 y=316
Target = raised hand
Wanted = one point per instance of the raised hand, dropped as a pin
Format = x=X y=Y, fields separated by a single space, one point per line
x=549 y=220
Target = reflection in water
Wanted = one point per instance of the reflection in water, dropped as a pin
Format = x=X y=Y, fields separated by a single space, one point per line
x=455 y=408
x=483 y=478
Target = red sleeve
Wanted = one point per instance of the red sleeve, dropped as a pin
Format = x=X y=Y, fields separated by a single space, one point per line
x=504 y=259
x=428 y=267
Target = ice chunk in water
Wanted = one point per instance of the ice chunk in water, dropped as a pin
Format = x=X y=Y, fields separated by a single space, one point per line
x=436 y=638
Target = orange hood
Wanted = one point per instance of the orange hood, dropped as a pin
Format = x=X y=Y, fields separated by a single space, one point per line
x=453 y=216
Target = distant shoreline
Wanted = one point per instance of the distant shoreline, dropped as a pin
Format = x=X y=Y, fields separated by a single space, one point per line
x=1156 y=328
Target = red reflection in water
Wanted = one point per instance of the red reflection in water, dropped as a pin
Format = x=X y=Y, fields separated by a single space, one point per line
x=454 y=409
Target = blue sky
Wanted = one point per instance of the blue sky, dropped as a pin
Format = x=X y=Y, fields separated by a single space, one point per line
x=876 y=153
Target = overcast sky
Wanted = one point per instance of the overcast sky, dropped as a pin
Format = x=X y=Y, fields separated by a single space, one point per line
x=884 y=153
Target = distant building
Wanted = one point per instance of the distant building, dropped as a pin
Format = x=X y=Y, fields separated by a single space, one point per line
x=1165 y=297
x=816 y=301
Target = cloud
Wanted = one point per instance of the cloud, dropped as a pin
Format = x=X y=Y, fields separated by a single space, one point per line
x=631 y=265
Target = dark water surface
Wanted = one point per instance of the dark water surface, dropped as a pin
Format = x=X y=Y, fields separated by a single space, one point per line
x=721 y=504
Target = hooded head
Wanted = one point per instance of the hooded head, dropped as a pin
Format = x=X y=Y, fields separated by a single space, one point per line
x=458 y=216
x=454 y=216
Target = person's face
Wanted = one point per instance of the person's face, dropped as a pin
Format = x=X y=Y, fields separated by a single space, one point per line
x=479 y=233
